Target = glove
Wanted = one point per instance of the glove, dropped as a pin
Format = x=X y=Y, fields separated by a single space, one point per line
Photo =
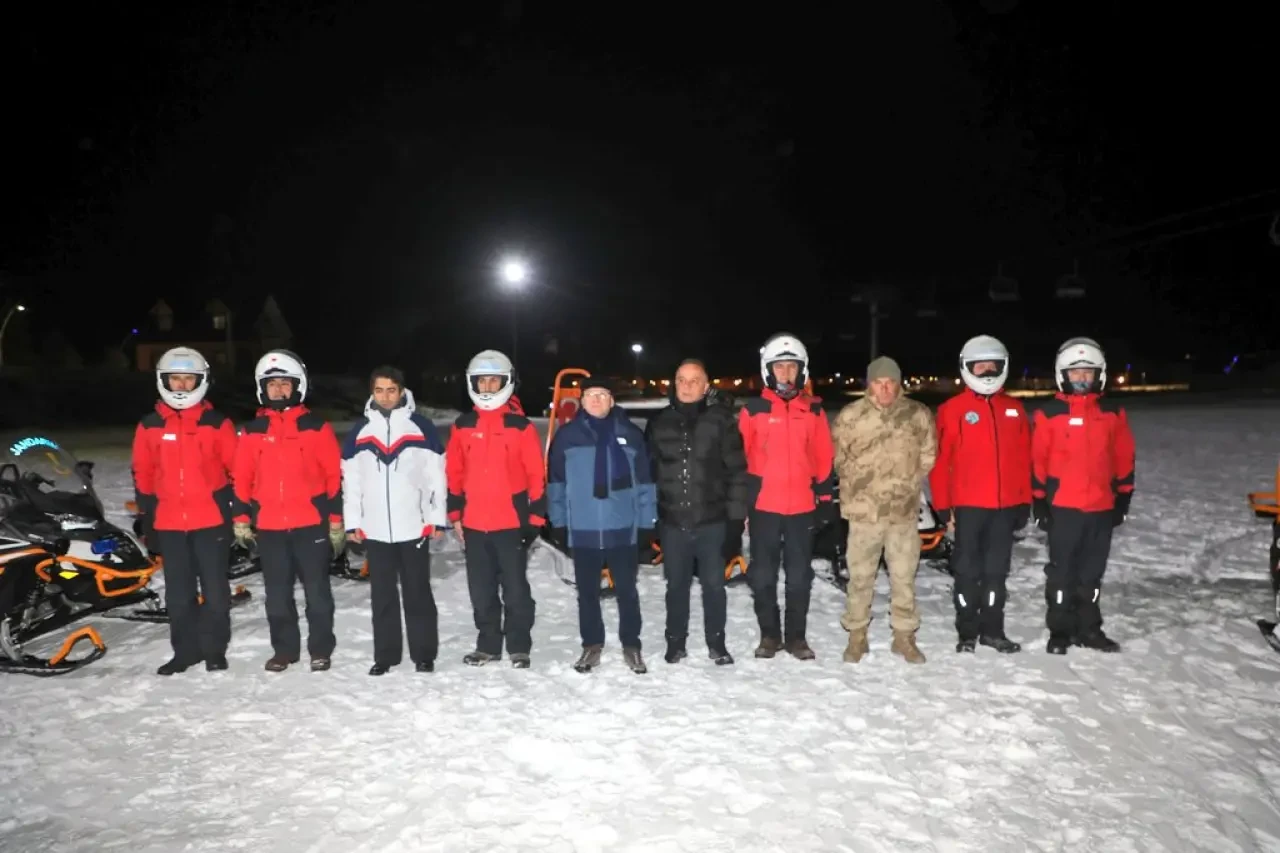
x=1121 y=510
x=1022 y=514
x=243 y=532
x=828 y=512
x=645 y=537
x=1043 y=520
x=559 y=538
x=527 y=535
x=337 y=537
x=733 y=530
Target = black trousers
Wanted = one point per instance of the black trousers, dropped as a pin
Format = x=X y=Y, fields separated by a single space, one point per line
x=497 y=561
x=195 y=564
x=624 y=565
x=684 y=551
x=289 y=556
x=980 y=564
x=781 y=541
x=394 y=568
x=1079 y=545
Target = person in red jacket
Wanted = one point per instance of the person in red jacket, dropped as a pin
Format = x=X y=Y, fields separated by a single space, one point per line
x=288 y=484
x=496 y=504
x=789 y=453
x=982 y=480
x=182 y=456
x=1082 y=458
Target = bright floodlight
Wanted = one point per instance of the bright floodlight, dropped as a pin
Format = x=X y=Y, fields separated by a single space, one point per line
x=637 y=349
x=20 y=307
x=514 y=272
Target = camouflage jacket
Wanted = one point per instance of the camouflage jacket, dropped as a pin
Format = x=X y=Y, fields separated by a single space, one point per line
x=882 y=459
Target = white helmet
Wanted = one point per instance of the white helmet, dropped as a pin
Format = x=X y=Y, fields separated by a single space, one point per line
x=281 y=364
x=783 y=347
x=490 y=363
x=984 y=348
x=1080 y=352
x=182 y=360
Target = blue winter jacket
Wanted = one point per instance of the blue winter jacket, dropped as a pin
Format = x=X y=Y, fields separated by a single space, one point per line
x=571 y=503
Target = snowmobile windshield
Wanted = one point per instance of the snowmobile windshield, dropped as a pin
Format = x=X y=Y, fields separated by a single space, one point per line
x=45 y=473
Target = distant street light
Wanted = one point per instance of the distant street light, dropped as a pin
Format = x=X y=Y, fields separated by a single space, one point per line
x=637 y=349
x=17 y=306
x=515 y=273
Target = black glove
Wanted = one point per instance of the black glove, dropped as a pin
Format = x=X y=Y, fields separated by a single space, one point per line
x=1021 y=515
x=827 y=512
x=527 y=535
x=559 y=537
x=1043 y=519
x=645 y=537
x=1121 y=510
x=733 y=529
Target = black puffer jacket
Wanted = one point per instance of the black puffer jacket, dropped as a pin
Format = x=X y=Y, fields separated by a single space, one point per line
x=698 y=462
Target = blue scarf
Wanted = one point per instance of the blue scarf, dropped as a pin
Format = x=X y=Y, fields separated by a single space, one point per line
x=609 y=457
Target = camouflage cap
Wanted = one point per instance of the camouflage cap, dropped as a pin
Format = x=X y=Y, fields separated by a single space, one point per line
x=884 y=368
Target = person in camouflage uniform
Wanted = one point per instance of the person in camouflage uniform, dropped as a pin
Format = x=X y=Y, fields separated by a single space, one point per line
x=885 y=447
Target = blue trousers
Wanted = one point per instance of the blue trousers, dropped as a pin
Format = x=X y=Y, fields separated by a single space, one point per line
x=623 y=564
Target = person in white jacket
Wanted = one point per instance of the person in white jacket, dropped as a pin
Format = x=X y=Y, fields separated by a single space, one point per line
x=394 y=498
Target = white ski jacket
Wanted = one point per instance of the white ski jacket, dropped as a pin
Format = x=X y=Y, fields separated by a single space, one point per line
x=393 y=475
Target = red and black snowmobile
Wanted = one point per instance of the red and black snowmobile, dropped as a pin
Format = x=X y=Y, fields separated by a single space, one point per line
x=1266 y=505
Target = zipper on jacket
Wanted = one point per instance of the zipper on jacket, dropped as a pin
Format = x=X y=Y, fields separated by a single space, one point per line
x=387 y=480
x=995 y=438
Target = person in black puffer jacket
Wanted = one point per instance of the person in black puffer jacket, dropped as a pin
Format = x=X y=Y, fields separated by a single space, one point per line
x=701 y=472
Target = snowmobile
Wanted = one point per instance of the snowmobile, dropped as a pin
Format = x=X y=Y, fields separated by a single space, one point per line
x=935 y=548
x=349 y=565
x=60 y=560
x=1266 y=505
x=566 y=400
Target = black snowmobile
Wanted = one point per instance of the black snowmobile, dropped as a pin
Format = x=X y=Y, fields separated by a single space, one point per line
x=349 y=565
x=831 y=541
x=60 y=560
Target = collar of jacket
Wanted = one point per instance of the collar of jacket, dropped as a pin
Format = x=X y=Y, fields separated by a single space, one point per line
x=406 y=408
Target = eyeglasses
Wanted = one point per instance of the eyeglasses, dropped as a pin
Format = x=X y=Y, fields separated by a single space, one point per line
x=596 y=394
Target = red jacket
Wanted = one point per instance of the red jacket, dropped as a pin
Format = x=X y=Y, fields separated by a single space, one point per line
x=789 y=452
x=497 y=480
x=181 y=466
x=1082 y=453
x=984 y=453
x=288 y=471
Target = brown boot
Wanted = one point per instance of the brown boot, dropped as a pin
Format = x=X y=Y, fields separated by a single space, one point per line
x=768 y=647
x=905 y=644
x=799 y=649
x=857 y=648
x=279 y=663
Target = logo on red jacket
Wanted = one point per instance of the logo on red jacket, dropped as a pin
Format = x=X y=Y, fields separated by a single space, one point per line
x=971 y=418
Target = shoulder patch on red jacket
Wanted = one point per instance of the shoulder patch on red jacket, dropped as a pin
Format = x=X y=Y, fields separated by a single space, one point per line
x=310 y=422
x=152 y=420
x=212 y=418
x=512 y=421
x=1111 y=406
x=815 y=407
x=758 y=406
x=257 y=425
x=467 y=420
x=1055 y=407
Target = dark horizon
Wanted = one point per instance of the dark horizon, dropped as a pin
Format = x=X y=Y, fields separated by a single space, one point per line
x=693 y=181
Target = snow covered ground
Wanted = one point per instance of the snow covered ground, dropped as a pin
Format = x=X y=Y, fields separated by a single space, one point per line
x=1168 y=746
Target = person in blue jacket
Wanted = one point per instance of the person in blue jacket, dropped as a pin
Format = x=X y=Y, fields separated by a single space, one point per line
x=602 y=505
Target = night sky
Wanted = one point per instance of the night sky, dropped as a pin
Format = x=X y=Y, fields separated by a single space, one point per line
x=691 y=180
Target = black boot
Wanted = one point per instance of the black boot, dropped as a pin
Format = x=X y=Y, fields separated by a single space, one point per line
x=717 y=652
x=1097 y=641
x=425 y=666
x=967 y=645
x=1058 y=644
x=1002 y=644
x=172 y=667
x=675 y=650
x=379 y=669
x=215 y=663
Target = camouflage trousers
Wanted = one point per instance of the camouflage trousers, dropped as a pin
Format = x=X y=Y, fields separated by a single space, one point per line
x=900 y=544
